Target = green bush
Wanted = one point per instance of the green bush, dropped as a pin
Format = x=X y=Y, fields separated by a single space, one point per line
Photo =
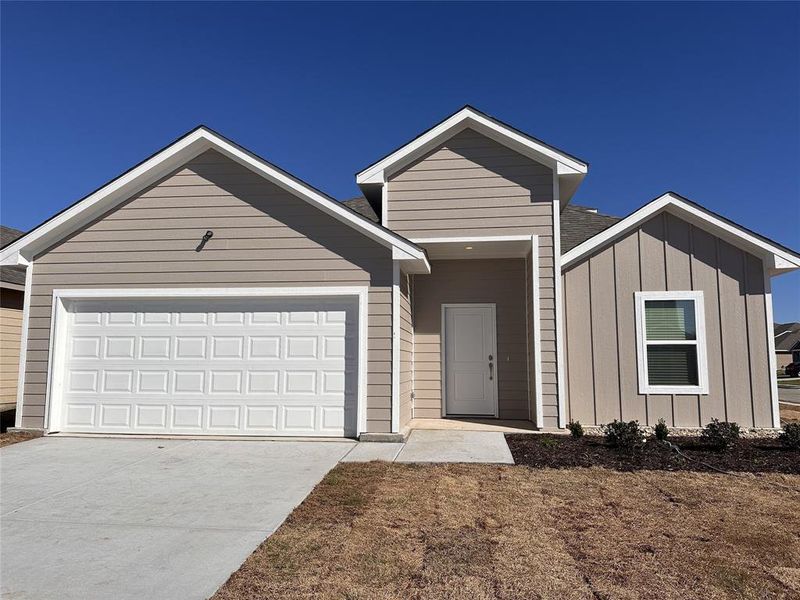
x=575 y=428
x=661 y=430
x=623 y=435
x=720 y=434
x=790 y=436
x=549 y=442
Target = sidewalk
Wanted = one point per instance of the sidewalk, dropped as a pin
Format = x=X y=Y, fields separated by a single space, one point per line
x=437 y=446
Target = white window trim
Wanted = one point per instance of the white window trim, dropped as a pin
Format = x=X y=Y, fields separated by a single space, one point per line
x=700 y=343
x=61 y=297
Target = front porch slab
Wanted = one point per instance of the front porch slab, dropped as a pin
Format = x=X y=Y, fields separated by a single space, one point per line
x=438 y=446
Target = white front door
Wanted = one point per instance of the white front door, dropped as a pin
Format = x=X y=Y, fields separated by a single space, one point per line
x=470 y=365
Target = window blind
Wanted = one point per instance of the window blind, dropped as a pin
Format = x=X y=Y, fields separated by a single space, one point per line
x=667 y=320
x=672 y=365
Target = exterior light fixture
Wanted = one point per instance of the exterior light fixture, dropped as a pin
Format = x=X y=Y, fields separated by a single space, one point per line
x=467 y=247
x=208 y=235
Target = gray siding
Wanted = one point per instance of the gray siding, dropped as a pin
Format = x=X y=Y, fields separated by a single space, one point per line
x=453 y=281
x=666 y=253
x=406 y=351
x=473 y=186
x=263 y=236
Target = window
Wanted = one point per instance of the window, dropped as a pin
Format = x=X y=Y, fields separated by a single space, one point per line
x=671 y=343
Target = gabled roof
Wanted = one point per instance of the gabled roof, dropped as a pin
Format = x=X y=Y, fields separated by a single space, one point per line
x=779 y=258
x=570 y=169
x=172 y=157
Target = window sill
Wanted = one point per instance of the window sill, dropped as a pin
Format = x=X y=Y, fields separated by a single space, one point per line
x=690 y=390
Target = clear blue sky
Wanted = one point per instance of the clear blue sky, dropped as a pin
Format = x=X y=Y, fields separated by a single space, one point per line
x=702 y=99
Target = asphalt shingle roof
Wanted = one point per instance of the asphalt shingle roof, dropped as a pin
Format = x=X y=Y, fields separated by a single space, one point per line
x=579 y=223
x=787 y=336
x=362 y=207
x=15 y=275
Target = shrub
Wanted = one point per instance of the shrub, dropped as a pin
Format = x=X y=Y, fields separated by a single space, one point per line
x=720 y=434
x=575 y=428
x=661 y=430
x=790 y=436
x=625 y=436
x=549 y=442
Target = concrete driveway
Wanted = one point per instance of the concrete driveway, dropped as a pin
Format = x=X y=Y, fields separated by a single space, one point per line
x=113 y=518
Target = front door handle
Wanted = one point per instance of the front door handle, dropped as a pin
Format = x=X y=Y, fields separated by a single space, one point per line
x=491 y=371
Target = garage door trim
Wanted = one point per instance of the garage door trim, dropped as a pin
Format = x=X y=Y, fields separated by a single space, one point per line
x=62 y=298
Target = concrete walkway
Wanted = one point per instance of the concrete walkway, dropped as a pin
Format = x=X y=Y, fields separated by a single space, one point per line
x=126 y=519
x=438 y=446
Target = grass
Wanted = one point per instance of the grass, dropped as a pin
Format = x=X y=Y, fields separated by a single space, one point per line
x=8 y=438
x=381 y=531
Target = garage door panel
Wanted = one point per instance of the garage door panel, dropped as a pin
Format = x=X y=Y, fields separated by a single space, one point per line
x=286 y=367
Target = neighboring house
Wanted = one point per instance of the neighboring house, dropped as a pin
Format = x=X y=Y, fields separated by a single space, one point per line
x=206 y=291
x=12 y=290
x=787 y=344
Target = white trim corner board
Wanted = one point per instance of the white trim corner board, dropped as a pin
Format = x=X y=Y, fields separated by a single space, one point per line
x=537 y=332
x=773 y=368
x=23 y=345
x=395 y=347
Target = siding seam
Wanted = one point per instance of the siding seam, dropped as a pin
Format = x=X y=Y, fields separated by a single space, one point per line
x=721 y=343
x=639 y=252
x=747 y=334
x=616 y=328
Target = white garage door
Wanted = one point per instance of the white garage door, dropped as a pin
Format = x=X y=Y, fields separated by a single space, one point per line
x=256 y=367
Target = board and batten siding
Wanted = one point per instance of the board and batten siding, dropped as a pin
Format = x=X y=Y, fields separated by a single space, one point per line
x=667 y=253
x=498 y=281
x=472 y=186
x=406 y=352
x=10 y=336
x=263 y=236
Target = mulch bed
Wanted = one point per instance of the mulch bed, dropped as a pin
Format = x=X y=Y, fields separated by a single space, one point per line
x=753 y=455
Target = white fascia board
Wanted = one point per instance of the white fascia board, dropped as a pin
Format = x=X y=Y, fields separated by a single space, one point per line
x=474 y=238
x=463 y=119
x=738 y=236
x=169 y=159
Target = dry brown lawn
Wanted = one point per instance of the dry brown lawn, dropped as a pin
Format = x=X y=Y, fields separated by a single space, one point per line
x=8 y=438
x=790 y=413
x=379 y=531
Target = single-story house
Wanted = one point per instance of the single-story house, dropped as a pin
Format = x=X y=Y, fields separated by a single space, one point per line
x=12 y=289
x=787 y=344
x=207 y=291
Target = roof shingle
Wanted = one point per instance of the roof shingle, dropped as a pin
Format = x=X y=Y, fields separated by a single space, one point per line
x=14 y=275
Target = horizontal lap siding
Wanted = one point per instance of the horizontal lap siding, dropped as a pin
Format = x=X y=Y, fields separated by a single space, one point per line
x=473 y=186
x=10 y=336
x=406 y=352
x=475 y=281
x=263 y=236
x=667 y=253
